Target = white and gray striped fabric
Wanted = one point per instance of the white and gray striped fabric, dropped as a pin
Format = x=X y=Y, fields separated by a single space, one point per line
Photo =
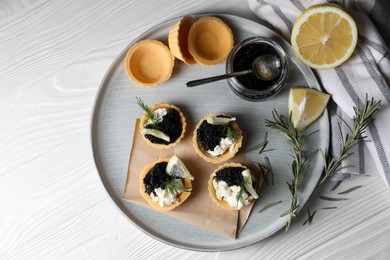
x=366 y=72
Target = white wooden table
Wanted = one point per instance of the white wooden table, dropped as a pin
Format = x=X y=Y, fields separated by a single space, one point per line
x=53 y=55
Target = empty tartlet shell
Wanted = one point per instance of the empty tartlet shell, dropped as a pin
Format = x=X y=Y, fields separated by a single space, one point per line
x=144 y=118
x=181 y=198
x=223 y=157
x=149 y=63
x=223 y=204
x=178 y=39
x=210 y=41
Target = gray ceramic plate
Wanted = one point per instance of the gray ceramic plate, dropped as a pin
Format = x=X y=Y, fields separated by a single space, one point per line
x=112 y=128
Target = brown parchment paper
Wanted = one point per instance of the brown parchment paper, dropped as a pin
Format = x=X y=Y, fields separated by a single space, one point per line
x=198 y=209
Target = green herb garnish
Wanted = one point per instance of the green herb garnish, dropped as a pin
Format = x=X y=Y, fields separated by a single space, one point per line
x=148 y=113
x=361 y=120
x=242 y=191
x=231 y=134
x=174 y=187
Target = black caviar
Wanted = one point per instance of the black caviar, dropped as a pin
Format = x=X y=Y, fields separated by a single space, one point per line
x=210 y=135
x=156 y=177
x=243 y=61
x=171 y=125
x=231 y=175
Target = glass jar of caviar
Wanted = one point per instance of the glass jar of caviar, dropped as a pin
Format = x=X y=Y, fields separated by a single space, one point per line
x=241 y=58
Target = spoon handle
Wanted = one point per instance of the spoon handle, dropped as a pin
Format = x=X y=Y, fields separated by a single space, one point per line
x=197 y=82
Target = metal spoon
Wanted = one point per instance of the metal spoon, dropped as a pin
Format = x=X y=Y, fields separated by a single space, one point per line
x=265 y=67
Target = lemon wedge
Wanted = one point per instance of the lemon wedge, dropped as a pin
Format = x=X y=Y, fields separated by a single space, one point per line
x=176 y=168
x=305 y=106
x=324 y=36
x=156 y=133
x=217 y=120
x=248 y=183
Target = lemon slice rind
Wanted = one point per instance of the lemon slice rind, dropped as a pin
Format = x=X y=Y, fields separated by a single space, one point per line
x=305 y=111
x=156 y=133
x=322 y=9
x=215 y=120
x=248 y=183
x=176 y=168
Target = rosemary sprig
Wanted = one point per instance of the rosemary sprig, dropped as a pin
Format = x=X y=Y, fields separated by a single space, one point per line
x=298 y=165
x=148 y=112
x=361 y=120
x=175 y=187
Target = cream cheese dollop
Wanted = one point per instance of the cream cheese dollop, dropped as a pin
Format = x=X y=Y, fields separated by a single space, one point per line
x=165 y=197
x=158 y=114
x=224 y=145
x=229 y=194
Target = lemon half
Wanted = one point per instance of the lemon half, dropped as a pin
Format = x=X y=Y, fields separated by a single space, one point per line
x=305 y=106
x=324 y=36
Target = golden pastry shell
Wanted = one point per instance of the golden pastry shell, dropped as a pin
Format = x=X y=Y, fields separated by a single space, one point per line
x=178 y=39
x=210 y=40
x=149 y=63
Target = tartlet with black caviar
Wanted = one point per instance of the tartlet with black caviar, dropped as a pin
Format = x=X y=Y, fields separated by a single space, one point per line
x=217 y=138
x=162 y=187
x=232 y=186
x=163 y=125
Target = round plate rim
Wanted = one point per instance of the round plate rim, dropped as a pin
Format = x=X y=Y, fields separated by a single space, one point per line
x=93 y=118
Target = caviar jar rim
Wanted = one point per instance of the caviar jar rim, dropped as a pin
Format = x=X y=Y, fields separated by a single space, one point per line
x=252 y=94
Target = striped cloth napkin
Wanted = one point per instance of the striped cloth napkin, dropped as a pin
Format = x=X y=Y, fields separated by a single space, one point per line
x=366 y=72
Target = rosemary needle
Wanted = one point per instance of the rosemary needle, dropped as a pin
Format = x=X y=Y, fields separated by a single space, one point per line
x=270 y=205
x=350 y=189
x=310 y=217
x=331 y=198
x=336 y=185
